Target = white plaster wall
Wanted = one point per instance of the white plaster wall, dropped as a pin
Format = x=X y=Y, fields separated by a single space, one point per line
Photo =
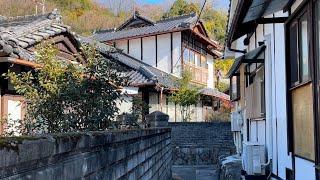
x=210 y=83
x=171 y=111
x=126 y=104
x=135 y=48
x=304 y=169
x=176 y=54
x=122 y=44
x=14 y=117
x=153 y=102
x=164 y=52
x=252 y=44
x=149 y=50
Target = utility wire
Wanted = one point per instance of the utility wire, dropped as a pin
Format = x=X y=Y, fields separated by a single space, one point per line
x=198 y=19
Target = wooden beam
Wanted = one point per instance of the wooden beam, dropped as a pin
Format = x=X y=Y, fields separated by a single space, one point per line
x=272 y=20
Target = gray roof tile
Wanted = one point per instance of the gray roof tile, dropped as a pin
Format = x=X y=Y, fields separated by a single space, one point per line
x=170 y=24
x=22 y=32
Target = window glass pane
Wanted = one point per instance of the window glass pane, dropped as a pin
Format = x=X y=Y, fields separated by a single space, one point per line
x=294 y=54
x=303 y=128
x=204 y=63
x=191 y=57
x=186 y=55
x=304 y=48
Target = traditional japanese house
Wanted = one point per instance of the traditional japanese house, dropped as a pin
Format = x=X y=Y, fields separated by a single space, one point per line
x=275 y=80
x=154 y=86
x=166 y=48
x=18 y=38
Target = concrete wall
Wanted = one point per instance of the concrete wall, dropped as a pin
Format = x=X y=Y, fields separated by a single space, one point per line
x=134 y=154
x=200 y=143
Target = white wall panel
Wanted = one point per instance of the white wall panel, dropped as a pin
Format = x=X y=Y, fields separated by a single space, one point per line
x=210 y=83
x=280 y=96
x=149 y=50
x=164 y=52
x=135 y=48
x=176 y=42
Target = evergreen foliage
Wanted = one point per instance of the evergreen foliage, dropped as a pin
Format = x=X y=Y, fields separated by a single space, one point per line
x=186 y=95
x=66 y=97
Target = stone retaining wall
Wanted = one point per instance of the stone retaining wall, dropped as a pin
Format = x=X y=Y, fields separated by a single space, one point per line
x=201 y=143
x=134 y=154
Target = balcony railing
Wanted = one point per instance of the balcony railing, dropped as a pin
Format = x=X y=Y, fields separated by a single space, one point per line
x=199 y=74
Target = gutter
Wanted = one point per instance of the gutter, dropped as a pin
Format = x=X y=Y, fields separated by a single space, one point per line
x=19 y=61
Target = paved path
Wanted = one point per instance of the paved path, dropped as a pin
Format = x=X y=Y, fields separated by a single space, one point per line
x=194 y=173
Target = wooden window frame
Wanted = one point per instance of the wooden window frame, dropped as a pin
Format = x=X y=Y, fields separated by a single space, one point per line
x=306 y=7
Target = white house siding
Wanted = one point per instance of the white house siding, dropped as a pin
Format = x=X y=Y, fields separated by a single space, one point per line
x=135 y=48
x=122 y=44
x=176 y=53
x=164 y=52
x=149 y=50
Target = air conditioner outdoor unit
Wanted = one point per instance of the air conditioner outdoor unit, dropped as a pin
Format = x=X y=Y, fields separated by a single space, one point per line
x=236 y=121
x=253 y=158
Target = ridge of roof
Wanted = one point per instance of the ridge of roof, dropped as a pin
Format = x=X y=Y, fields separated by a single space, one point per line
x=183 y=16
x=20 y=20
x=136 y=15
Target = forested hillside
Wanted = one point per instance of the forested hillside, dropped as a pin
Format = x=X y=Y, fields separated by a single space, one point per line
x=85 y=16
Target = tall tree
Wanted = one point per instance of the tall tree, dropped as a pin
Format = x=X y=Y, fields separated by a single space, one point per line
x=181 y=7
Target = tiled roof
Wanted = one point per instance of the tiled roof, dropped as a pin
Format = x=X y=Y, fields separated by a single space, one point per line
x=19 y=33
x=166 y=25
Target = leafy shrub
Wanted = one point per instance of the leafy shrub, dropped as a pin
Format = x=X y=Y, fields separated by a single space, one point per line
x=62 y=96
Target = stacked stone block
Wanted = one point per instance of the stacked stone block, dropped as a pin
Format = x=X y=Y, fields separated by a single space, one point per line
x=133 y=154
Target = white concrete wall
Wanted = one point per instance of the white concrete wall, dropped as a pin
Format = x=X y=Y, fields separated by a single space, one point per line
x=149 y=50
x=164 y=52
x=135 y=48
